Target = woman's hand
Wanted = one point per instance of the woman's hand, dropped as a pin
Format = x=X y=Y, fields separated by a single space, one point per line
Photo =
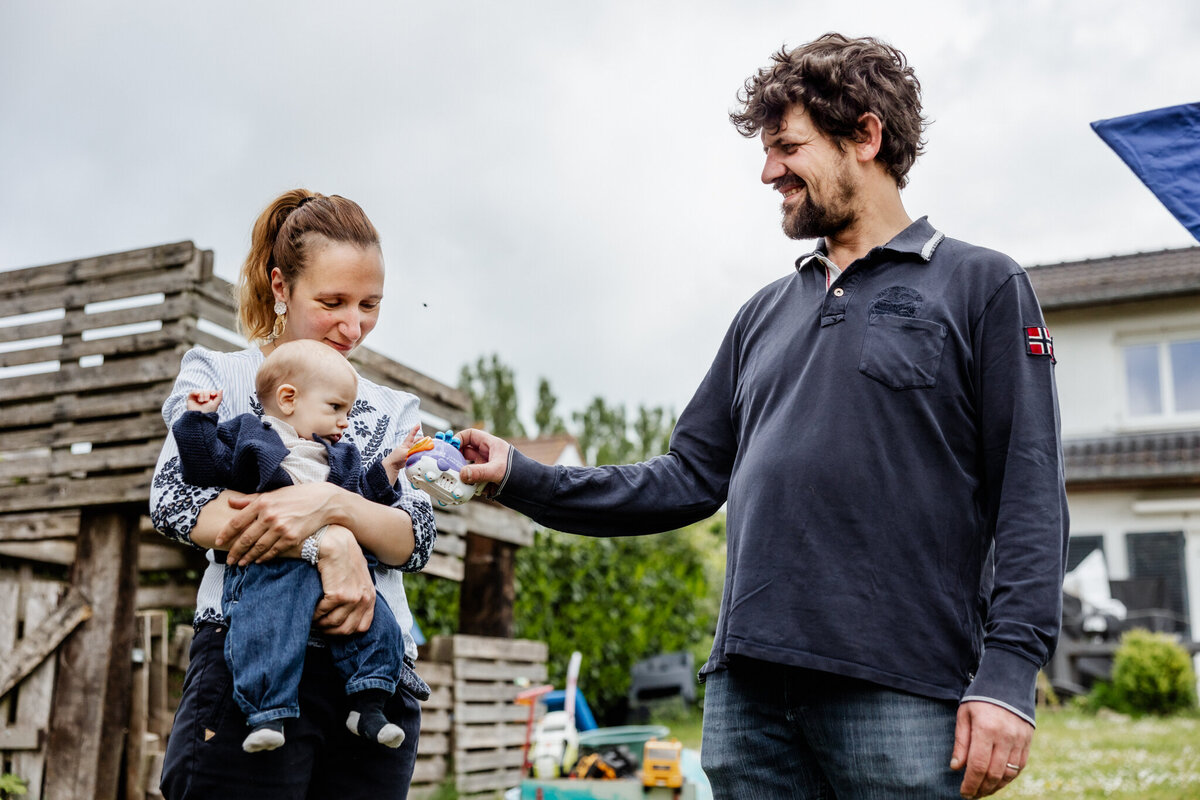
x=275 y=523
x=349 y=602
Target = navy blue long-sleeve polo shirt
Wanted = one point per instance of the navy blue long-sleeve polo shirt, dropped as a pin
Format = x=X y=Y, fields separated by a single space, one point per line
x=890 y=452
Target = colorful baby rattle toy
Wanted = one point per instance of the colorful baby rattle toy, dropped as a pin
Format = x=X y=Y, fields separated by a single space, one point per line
x=434 y=464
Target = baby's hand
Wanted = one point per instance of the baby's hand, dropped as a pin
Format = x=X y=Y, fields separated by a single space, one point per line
x=393 y=462
x=204 y=400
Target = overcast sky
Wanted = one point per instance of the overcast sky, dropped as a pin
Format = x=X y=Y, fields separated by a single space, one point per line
x=556 y=181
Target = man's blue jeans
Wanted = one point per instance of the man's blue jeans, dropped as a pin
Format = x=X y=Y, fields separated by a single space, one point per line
x=773 y=731
x=269 y=609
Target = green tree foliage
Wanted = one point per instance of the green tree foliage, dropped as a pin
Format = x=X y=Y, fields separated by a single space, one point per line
x=433 y=602
x=547 y=420
x=606 y=436
x=617 y=601
x=493 y=392
x=653 y=428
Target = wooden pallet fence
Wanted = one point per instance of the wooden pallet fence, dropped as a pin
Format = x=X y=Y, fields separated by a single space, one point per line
x=433 y=748
x=150 y=714
x=488 y=731
x=25 y=603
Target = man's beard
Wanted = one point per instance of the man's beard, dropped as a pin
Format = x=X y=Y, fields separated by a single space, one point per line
x=810 y=220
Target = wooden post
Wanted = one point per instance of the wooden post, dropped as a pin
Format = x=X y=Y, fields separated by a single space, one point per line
x=487 y=594
x=93 y=686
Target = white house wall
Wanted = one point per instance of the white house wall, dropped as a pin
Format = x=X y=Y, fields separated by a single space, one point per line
x=1090 y=370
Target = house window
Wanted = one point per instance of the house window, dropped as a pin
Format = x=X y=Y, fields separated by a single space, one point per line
x=1163 y=378
x=1157 y=572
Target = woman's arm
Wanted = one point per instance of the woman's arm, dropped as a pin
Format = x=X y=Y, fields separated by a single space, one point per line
x=259 y=527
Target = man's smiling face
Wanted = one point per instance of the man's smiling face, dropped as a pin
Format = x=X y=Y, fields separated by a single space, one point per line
x=812 y=173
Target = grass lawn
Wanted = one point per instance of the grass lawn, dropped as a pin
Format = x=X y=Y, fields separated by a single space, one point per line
x=1078 y=755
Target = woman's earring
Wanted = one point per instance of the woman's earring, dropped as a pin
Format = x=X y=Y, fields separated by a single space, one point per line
x=280 y=320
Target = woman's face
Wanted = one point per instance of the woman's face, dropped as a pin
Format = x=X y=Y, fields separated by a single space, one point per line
x=336 y=299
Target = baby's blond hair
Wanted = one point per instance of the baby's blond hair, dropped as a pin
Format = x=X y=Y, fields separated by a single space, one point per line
x=299 y=362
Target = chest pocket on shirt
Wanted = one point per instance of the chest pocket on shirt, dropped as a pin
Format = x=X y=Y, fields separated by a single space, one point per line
x=902 y=352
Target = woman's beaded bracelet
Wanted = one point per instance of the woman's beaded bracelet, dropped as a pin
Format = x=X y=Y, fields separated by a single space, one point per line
x=310 y=550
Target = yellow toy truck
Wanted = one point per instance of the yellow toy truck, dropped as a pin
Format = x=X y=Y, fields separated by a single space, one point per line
x=660 y=763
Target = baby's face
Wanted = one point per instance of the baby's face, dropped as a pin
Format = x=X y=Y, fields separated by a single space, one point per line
x=322 y=406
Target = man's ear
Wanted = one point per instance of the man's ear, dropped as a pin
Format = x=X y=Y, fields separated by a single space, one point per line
x=868 y=138
x=285 y=398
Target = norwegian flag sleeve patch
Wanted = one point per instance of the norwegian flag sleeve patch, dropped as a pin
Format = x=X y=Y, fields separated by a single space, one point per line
x=1039 y=343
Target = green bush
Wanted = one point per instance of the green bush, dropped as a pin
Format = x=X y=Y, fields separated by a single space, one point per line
x=433 y=602
x=1152 y=674
x=618 y=601
x=12 y=786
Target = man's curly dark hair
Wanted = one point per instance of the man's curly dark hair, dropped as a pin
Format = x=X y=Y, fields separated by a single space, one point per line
x=837 y=79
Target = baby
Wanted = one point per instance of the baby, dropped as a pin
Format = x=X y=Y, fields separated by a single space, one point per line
x=307 y=390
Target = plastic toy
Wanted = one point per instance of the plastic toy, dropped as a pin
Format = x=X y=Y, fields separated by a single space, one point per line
x=661 y=763
x=433 y=465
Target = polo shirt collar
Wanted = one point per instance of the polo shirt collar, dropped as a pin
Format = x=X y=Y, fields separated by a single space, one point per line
x=919 y=239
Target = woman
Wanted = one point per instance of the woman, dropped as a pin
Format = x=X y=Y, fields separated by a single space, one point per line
x=315 y=271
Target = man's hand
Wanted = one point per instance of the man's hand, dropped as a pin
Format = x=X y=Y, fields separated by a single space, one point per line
x=206 y=400
x=488 y=455
x=992 y=743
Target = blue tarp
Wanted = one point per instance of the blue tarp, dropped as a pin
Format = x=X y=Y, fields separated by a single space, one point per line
x=1162 y=147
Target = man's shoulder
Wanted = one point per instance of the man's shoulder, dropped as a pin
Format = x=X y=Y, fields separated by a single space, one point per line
x=769 y=294
x=983 y=261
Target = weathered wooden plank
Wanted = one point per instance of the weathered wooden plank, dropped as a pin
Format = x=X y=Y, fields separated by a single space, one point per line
x=92 y=689
x=497 y=522
x=499 y=779
x=482 y=671
x=144 y=426
x=43 y=525
x=211 y=342
x=470 y=737
x=467 y=713
x=72 y=378
x=429 y=770
x=10 y=618
x=20 y=738
x=172 y=307
x=108 y=266
x=432 y=743
x=79 y=408
x=79 y=295
x=480 y=692
x=130 y=344
x=35 y=695
x=69 y=493
x=383 y=370
x=35 y=645
x=47 y=551
x=488 y=587
x=436 y=674
x=440 y=697
x=109 y=459
x=448 y=567
x=462 y=646
x=477 y=760
x=139 y=709
x=172 y=595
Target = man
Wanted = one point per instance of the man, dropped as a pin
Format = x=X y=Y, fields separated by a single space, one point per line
x=883 y=423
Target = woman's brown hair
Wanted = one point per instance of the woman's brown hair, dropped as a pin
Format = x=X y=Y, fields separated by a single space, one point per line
x=281 y=235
